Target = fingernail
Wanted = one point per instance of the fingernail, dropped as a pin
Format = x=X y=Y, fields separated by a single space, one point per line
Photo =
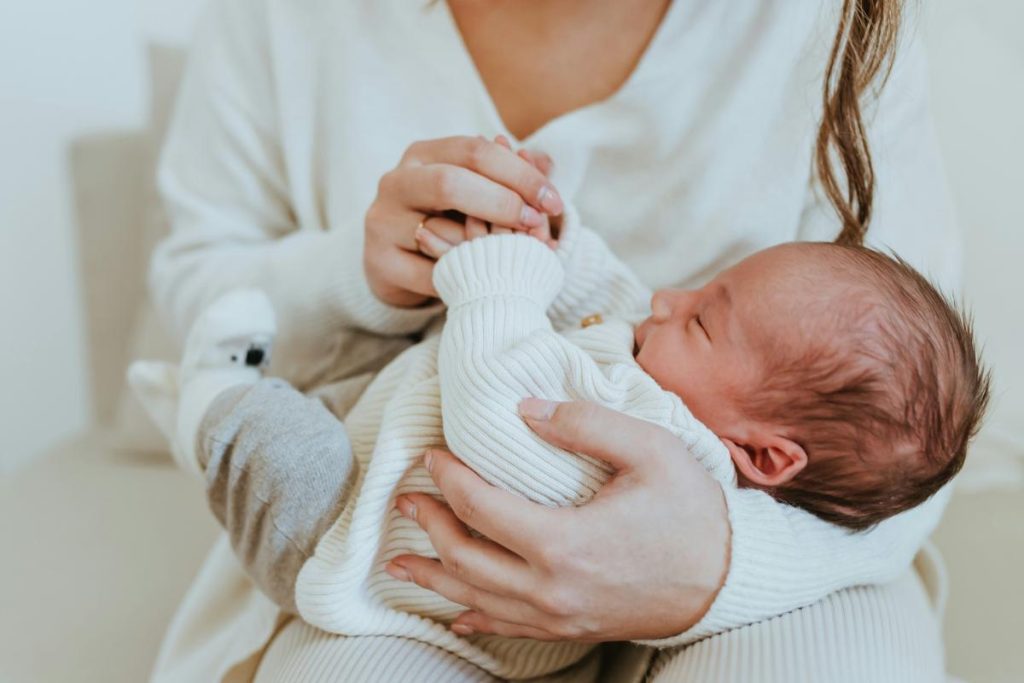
x=530 y=217
x=550 y=201
x=397 y=572
x=463 y=629
x=423 y=235
x=537 y=409
x=428 y=461
x=406 y=507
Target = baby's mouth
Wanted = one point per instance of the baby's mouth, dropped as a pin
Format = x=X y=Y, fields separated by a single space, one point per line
x=639 y=334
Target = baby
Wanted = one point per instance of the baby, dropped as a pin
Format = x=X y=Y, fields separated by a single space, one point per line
x=834 y=378
x=839 y=379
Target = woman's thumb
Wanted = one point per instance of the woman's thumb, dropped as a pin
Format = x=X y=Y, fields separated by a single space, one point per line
x=624 y=442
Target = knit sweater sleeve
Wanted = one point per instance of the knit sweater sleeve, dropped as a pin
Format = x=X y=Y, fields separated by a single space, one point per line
x=783 y=558
x=498 y=346
x=223 y=179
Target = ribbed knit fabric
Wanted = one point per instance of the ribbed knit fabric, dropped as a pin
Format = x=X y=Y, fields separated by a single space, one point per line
x=303 y=654
x=498 y=345
x=867 y=634
x=881 y=634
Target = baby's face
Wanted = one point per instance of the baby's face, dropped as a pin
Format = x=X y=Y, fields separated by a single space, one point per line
x=708 y=345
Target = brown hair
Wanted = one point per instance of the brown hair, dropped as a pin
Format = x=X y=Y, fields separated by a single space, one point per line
x=886 y=405
x=862 y=50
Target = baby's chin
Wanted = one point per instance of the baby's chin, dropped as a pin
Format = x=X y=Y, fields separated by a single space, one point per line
x=639 y=334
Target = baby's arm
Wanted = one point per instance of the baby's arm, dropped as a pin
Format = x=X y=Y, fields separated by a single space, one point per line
x=498 y=347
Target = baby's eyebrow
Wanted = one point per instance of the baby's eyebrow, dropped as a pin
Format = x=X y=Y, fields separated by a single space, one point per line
x=721 y=299
x=723 y=296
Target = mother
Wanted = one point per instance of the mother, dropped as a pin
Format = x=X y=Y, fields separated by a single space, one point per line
x=689 y=134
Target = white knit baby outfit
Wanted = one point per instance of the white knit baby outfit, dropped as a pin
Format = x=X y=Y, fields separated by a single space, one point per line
x=513 y=330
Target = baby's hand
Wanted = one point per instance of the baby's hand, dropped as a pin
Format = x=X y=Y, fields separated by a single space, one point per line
x=478 y=228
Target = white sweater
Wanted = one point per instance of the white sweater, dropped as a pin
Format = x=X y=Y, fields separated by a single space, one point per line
x=291 y=110
x=498 y=345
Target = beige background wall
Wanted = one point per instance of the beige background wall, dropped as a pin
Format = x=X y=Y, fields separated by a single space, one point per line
x=68 y=67
x=977 y=65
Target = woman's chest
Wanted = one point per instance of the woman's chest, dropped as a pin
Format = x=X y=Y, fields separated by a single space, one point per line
x=540 y=61
x=683 y=172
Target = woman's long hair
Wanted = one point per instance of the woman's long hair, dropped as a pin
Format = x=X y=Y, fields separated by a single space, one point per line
x=861 y=57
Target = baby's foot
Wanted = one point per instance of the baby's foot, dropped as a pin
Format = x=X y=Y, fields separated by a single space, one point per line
x=236 y=331
x=229 y=345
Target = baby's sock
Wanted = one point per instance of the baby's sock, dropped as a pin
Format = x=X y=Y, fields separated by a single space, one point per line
x=229 y=345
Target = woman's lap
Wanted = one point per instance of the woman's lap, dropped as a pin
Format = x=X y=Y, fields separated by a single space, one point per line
x=869 y=633
x=302 y=653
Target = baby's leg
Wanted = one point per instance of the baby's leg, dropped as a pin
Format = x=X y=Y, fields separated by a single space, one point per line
x=275 y=462
x=301 y=652
x=277 y=467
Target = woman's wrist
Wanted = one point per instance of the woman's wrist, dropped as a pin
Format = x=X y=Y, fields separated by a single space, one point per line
x=698 y=595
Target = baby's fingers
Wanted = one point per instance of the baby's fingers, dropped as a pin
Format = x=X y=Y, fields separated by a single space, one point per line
x=475 y=228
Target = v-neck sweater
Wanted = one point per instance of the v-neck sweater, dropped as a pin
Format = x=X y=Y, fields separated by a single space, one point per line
x=290 y=112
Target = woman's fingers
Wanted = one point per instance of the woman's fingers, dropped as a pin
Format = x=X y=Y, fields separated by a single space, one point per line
x=469 y=623
x=469 y=175
x=491 y=160
x=444 y=187
x=539 y=160
x=477 y=560
x=433 y=576
x=622 y=441
x=503 y=517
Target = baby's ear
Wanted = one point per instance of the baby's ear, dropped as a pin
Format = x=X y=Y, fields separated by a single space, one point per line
x=769 y=462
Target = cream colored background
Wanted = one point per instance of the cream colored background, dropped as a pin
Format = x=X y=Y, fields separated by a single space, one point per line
x=68 y=68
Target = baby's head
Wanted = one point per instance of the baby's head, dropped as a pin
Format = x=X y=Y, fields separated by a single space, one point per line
x=840 y=380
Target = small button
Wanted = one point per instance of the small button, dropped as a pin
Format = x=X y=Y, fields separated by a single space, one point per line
x=594 y=319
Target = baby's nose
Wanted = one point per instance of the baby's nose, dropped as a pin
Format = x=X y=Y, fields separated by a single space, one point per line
x=661 y=306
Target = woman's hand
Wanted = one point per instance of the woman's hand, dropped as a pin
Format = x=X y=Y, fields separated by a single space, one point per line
x=643 y=560
x=468 y=175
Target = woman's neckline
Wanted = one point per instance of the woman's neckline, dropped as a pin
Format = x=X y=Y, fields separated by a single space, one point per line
x=665 y=36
